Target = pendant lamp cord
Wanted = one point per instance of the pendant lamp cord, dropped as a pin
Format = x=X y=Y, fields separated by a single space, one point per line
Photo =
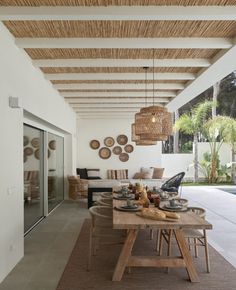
x=146 y=86
x=153 y=76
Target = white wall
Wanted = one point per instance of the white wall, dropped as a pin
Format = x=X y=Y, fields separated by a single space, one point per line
x=20 y=79
x=89 y=129
x=175 y=163
x=145 y=156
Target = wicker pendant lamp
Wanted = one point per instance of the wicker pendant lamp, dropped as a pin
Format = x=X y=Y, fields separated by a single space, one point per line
x=153 y=123
x=137 y=139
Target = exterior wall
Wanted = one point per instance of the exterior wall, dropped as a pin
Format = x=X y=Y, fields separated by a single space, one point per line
x=20 y=79
x=88 y=129
x=175 y=163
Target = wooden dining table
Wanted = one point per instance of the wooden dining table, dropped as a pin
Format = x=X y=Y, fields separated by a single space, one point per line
x=133 y=223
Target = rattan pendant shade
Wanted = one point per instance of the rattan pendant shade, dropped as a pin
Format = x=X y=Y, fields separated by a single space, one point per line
x=137 y=139
x=153 y=123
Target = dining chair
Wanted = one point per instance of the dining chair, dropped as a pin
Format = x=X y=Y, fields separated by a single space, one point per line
x=194 y=238
x=173 y=184
x=101 y=230
x=105 y=201
x=106 y=194
x=181 y=201
x=198 y=238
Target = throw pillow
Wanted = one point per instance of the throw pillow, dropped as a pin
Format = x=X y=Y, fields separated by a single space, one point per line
x=93 y=174
x=147 y=172
x=82 y=172
x=138 y=175
x=158 y=172
x=117 y=173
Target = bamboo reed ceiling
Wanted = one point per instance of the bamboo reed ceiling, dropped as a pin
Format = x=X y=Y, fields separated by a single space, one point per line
x=197 y=60
x=115 y=81
x=114 y=2
x=122 y=28
x=120 y=53
x=118 y=70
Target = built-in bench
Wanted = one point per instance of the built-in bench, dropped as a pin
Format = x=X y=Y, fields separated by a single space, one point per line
x=116 y=178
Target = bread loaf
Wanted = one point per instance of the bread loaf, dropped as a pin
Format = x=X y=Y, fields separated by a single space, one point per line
x=172 y=215
x=153 y=213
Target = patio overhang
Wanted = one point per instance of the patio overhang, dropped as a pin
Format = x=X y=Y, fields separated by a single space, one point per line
x=94 y=55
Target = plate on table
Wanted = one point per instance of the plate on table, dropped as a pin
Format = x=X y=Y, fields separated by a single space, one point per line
x=131 y=208
x=176 y=207
x=121 y=197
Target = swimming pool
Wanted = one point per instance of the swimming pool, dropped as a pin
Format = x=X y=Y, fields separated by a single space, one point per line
x=231 y=190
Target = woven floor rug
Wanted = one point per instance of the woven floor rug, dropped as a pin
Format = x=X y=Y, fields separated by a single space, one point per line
x=76 y=277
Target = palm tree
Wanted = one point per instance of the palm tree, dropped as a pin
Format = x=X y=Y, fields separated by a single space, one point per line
x=225 y=128
x=193 y=124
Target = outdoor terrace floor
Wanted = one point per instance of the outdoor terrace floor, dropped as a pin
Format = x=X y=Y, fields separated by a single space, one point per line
x=48 y=246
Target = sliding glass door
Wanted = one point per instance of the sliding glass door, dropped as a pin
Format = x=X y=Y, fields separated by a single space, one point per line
x=55 y=170
x=33 y=176
x=43 y=174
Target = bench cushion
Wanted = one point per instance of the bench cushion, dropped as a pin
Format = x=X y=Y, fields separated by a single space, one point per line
x=117 y=174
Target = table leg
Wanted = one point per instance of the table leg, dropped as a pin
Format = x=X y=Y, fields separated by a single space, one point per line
x=124 y=255
x=183 y=247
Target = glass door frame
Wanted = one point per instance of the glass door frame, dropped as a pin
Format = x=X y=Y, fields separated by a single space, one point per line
x=44 y=172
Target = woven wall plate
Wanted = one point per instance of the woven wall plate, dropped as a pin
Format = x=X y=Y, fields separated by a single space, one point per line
x=28 y=151
x=52 y=144
x=117 y=150
x=129 y=148
x=25 y=141
x=105 y=153
x=94 y=144
x=109 y=141
x=124 y=157
x=35 y=142
x=37 y=154
x=122 y=139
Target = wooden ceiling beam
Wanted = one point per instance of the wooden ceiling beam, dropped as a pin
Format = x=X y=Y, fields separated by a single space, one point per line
x=119 y=13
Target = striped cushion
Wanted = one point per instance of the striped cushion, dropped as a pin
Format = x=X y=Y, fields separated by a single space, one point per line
x=117 y=174
x=93 y=173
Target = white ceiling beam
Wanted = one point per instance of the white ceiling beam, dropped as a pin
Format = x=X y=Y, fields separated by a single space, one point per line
x=118 y=86
x=223 y=64
x=91 y=62
x=119 y=76
x=110 y=109
x=120 y=13
x=110 y=106
x=129 y=43
x=116 y=94
x=104 y=116
x=99 y=111
x=140 y=101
